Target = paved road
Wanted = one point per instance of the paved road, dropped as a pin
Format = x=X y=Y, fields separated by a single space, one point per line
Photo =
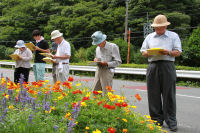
x=188 y=99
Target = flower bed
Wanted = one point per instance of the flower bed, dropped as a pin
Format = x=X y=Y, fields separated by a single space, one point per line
x=40 y=107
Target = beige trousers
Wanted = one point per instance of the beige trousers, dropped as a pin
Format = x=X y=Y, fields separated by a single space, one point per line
x=103 y=78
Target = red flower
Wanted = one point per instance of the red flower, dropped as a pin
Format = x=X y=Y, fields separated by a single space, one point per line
x=85 y=98
x=77 y=91
x=111 y=130
x=99 y=103
x=118 y=104
x=137 y=96
x=109 y=88
x=67 y=84
x=124 y=104
x=71 y=79
x=95 y=92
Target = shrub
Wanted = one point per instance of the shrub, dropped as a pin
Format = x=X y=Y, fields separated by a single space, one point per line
x=91 y=52
x=80 y=55
x=123 y=49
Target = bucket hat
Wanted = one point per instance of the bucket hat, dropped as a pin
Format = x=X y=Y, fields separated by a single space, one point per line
x=56 y=34
x=20 y=44
x=160 y=20
x=98 y=37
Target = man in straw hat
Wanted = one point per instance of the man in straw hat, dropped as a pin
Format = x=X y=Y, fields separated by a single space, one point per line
x=108 y=57
x=62 y=56
x=23 y=63
x=161 y=73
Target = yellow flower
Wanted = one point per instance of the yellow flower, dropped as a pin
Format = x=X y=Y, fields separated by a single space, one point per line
x=83 y=104
x=87 y=128
x=7 y=96
x=125 y=120
x=99 y=92
x=46 y=81
x=147 y=116
x=67 y=115
x=120 y=101
x=134 y=107
x=60 y=97
x=88 y=94
x=11 y=107
x=97 y=131
x=76 y=122
x=78 y=84
x=48 y=112
x=53 y=107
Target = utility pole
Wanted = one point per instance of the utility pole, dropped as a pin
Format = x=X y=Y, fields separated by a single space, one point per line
x=126 y=21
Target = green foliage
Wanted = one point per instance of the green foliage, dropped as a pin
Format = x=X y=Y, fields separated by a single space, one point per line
x=91 y=52
x=191 y=50
x=123 y=49
x=80 y=55
x=5 y=52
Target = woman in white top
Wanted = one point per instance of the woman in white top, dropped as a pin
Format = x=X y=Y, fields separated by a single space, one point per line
x=23 y=63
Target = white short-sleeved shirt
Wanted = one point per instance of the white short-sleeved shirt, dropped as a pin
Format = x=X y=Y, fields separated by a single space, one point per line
x=64 y=48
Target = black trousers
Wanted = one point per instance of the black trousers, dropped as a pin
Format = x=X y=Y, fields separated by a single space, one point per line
x=21 y=70
x=161 y=88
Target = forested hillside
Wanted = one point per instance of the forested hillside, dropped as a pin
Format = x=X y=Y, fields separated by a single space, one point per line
x=78 y=19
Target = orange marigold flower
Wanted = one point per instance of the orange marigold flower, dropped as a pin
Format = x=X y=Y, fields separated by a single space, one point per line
x=109 y=88
x=137 y=96
x=124 y=104
x=111 y=130
x=125 y=130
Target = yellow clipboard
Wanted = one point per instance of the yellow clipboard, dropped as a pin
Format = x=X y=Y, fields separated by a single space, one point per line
x=154 y=51
x=46 y=54
x=48 y=60
x=30 y=45
x=14 y=56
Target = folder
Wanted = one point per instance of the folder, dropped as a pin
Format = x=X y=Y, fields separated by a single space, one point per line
x=48 y=60
x=14 y=56
x=46 y=54
x=30 y=45
x=154 y=51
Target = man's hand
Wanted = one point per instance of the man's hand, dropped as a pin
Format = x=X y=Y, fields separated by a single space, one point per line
x=145 y=54
x=164 y=52
x=103 y=63
x=19 y=58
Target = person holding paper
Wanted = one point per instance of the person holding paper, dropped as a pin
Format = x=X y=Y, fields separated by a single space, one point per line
x=107 y=58
x=161 y=72
x=42 y=46
x=23 y=63
x=62 y=56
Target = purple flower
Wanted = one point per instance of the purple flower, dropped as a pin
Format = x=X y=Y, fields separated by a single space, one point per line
x=30 y=118
x=55 y=127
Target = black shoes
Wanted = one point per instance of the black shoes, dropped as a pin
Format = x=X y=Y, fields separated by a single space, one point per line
x=173 y=128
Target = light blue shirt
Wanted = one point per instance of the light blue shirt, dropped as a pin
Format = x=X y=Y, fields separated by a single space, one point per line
x=169 y=41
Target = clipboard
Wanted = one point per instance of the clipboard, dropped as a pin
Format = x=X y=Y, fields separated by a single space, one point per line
x=154 y=51
x=30 y=45
x=14 y=56
x=46 y=54
x=48 y=60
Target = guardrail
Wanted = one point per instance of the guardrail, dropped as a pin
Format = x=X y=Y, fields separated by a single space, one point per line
x=119 y=70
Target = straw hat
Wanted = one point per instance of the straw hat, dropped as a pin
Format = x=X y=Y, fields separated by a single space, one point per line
x=159 y=21
x=56 y=34
x=20 y=44
x=98 y=37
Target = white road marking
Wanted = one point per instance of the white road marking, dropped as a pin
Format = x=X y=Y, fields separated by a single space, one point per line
x=176 y=94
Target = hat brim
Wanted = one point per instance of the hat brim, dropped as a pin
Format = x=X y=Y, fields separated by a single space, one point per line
x=23 y=46
x=59 y=35
x=161 y=25
x=100 y=40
